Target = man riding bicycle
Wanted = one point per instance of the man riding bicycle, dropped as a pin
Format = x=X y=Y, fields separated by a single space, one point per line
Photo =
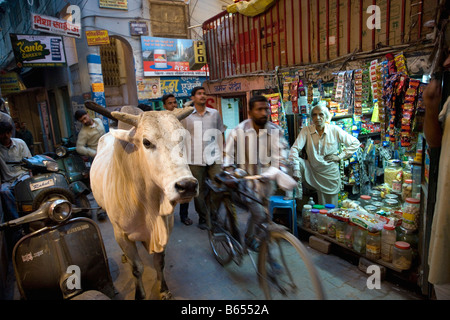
x=255 y=145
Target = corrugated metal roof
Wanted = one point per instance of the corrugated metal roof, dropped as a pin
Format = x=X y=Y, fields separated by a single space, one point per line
x=202 y=10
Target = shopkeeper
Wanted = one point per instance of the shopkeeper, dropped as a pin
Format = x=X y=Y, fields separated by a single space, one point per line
x=320 y=169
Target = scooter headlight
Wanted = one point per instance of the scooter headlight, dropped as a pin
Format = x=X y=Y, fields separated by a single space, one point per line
x=60 y=210
x=51 y=165
x=61 y=151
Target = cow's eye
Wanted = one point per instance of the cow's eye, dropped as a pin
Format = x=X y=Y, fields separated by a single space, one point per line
x=148 y=144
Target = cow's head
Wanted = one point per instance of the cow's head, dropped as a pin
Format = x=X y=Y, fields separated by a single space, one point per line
x=157 y=137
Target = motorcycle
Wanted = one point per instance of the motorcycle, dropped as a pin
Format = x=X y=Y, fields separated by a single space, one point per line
x=66 y=259
x=43 y=183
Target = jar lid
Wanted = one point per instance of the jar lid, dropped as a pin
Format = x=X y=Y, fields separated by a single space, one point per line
x=377 y=204
x=391 y=196
x=330 y=206
x=412 y=200
x=318 y=206
x=376 y=192
x=370 y=208
x=391 y=201
x=408 y=181
x=388 y=227
x=402 y=245
x=315 y=210
x=365 y=197
x=323 y=211
x=307 y=206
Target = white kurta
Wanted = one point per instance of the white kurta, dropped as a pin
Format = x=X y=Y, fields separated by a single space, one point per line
x=439 y=253
x=320 y=174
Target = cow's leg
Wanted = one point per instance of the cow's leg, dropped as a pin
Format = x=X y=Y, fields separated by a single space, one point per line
x=129 y=249
x=158 y=261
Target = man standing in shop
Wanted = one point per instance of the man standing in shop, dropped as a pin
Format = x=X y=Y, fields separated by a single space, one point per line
x=437 y=134
x=90 y=133
x=204 y=151
x=320 y=171
x=170 y=103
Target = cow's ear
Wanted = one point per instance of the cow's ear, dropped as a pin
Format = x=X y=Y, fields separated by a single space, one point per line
x=124 y=135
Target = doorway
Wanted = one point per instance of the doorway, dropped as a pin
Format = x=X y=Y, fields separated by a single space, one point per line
x=118 y=73
x=233 y=112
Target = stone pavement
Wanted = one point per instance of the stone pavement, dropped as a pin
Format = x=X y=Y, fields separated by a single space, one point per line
x=192 y=273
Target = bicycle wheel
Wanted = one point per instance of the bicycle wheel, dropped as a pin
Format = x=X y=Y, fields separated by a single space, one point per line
x=285 y=270
x=220 y=236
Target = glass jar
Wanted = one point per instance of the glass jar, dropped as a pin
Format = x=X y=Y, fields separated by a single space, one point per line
x=409 y=236
x=391 y=205
x=377 y=204
x=350 y=234
x=402 y=255
x=392 y=196
x=306 y=216
x=322 y=221
x=388 y=239
x=407 y=170
x=396 y=186
x=359 y=240
x=331 y=225
x=365 y=200
x=407 y=189
x=373 y=245
x=392 y=171
x=314 y=219
x=411 y=211
x=370 y=209
x=341 y=225
x=376 y=195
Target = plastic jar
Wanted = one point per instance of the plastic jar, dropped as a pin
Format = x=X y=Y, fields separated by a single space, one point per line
x=376 y=195
x=411 y=211
x=314 y=219
x=407 y=189
x=350 y=234
x=396 y=186
x=331 y=225
x=393 y=171
x=373 y=245
x=391 y=205
x=388 y=239
x=322 y=221
x=341 y=225
x=402 y=255
x=392 y=196
x=306 y=216
x=365 y=200
x=359 y=240
x=409 y=236
x=370 y=209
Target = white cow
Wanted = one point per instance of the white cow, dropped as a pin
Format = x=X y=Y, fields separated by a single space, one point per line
x=138 y=176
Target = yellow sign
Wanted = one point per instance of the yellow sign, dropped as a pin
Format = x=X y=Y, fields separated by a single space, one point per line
x=98 y=87
x=10 y=83
x=97 y=37
x=114 y=4
x=198 y=60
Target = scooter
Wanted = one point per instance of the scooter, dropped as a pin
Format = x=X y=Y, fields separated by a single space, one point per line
x=43 y=183
x=66 y=259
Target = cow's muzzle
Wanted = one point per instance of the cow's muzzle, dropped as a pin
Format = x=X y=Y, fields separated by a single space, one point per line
x=187 y=187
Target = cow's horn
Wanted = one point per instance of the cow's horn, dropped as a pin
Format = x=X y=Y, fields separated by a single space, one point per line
x=183 y=113
x=126 y=117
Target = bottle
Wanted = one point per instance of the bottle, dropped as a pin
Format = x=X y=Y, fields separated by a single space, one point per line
x=388 y=239
x=373 y=245
x=313 y=218
x=311 y=202
x=402 y=255
x=322 y=222
x=306 y=216
x=359 y=240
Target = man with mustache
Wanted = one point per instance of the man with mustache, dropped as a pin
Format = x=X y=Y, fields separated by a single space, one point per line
x=321 y=169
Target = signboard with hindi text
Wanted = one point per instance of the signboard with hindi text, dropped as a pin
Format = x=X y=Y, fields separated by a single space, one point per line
x=53 y=25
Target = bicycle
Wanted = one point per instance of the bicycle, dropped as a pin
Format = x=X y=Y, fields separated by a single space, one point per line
x=282 y=258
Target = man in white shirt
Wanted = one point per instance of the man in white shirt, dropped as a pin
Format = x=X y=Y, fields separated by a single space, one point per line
x=89 y=134
x=205 y=147
x=321 y=169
